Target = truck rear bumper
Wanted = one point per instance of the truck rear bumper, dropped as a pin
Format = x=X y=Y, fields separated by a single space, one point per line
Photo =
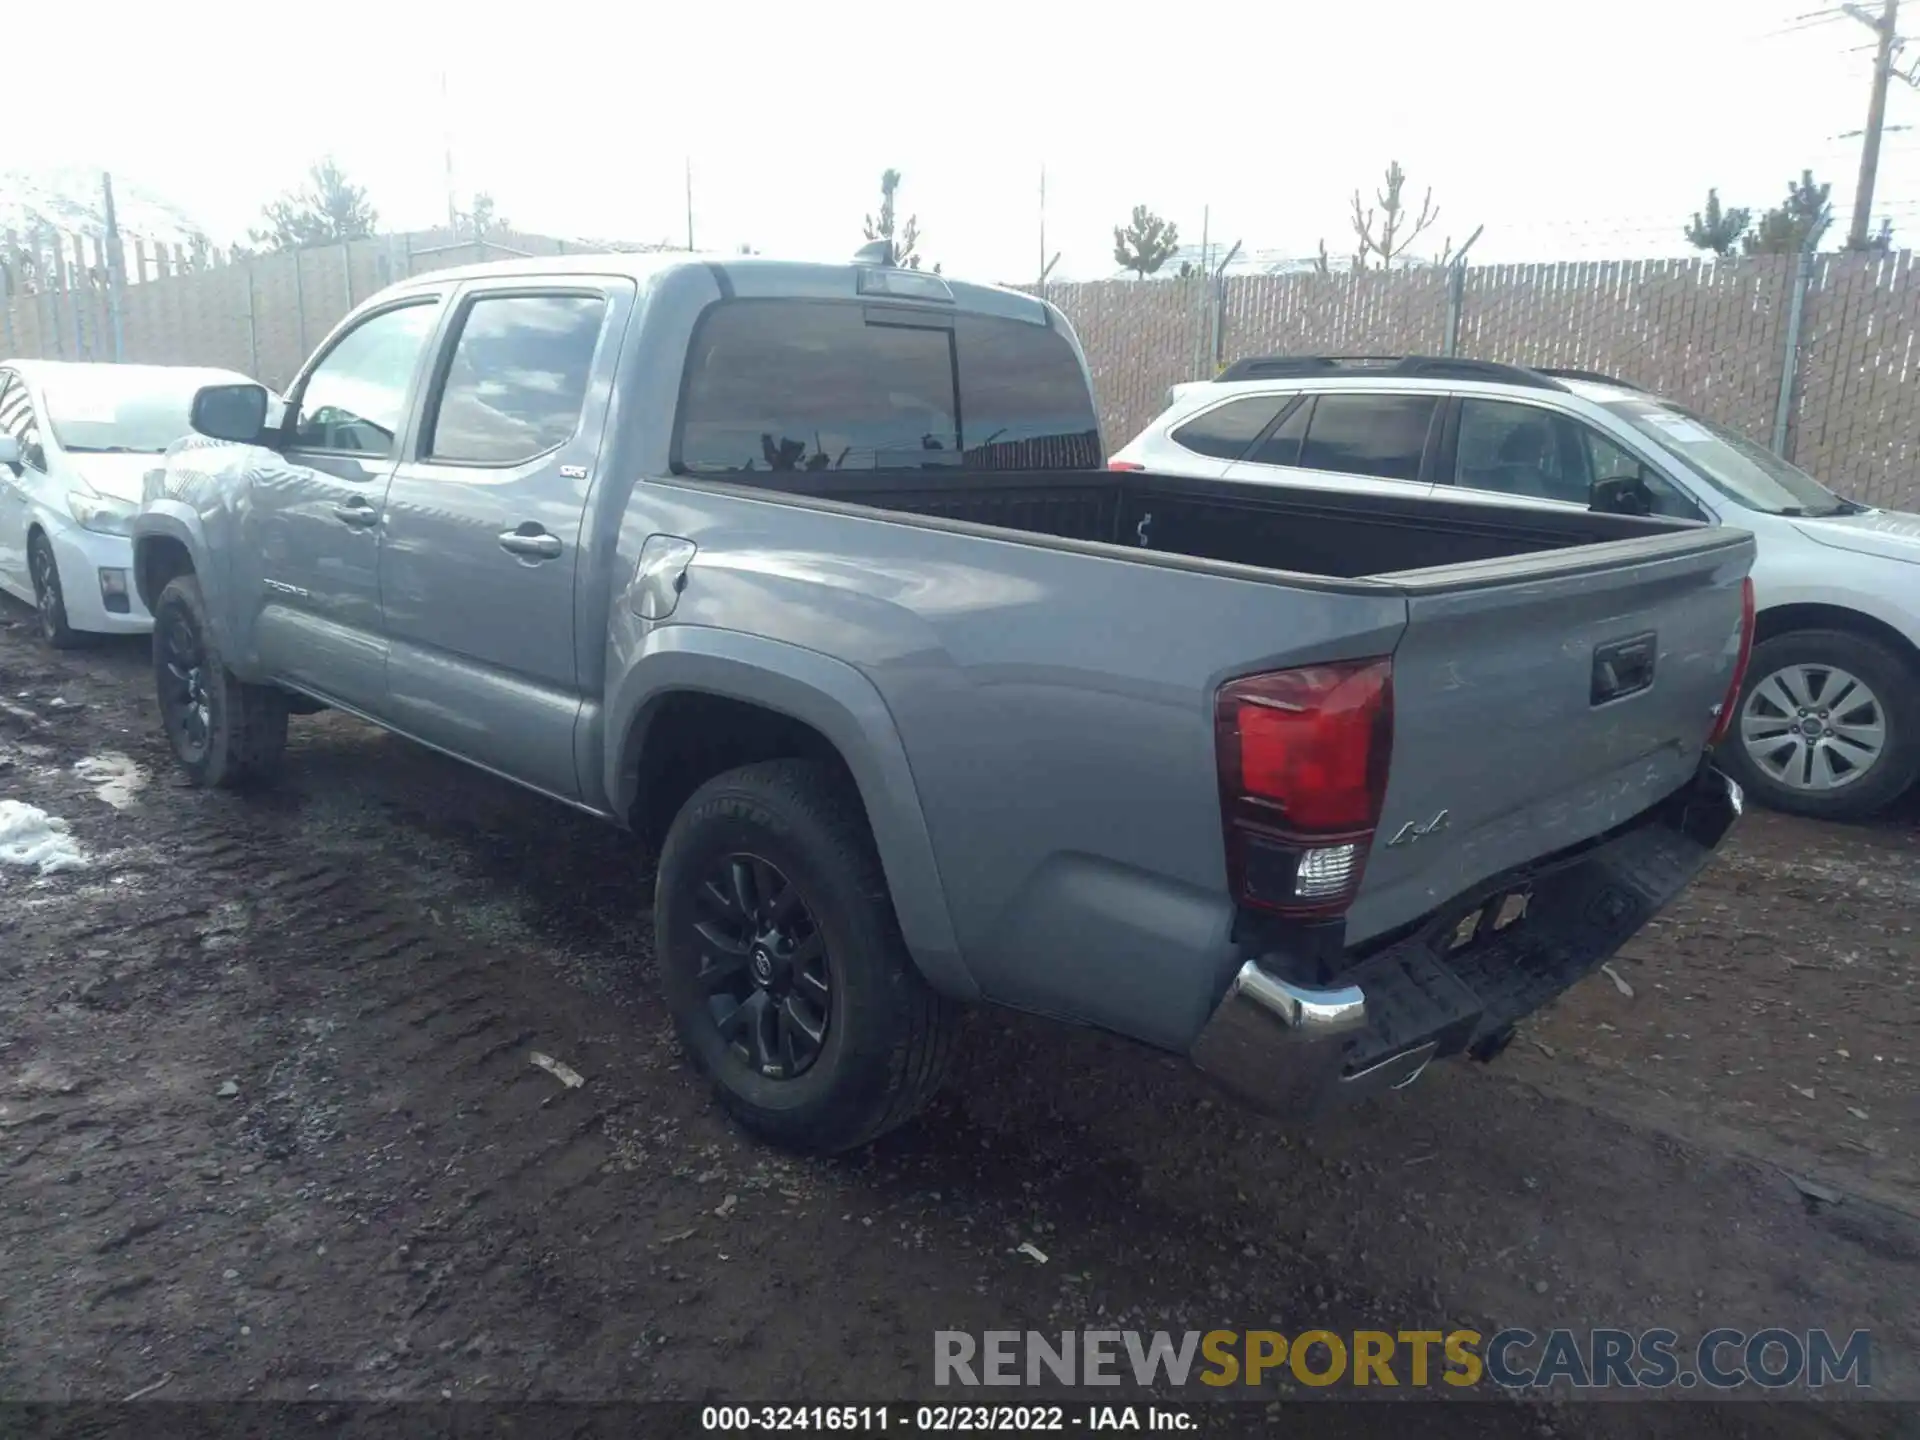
x=1461 y=979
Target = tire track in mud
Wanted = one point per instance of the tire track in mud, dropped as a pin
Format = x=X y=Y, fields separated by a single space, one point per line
x=329 y=959
x=397 y=1203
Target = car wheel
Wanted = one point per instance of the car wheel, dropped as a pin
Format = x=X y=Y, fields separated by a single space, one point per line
x=783 y=964
x=1828 y=725
x=224 y=734
x=49 y=601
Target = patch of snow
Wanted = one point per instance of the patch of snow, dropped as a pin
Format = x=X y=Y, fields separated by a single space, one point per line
x=29 y=837
x=115 y=779
x=71 y=200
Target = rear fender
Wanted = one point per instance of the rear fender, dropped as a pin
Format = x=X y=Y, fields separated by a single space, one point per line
x=836 y=700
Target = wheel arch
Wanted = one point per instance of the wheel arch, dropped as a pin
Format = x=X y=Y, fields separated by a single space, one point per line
x=1778 y=620
x=698 y=702
x=167 y=543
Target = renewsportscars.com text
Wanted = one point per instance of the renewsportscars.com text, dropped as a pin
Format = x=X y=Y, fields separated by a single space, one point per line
x=1720 y=1359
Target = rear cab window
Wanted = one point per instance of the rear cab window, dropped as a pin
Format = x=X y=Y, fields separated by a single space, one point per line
x=834 y=385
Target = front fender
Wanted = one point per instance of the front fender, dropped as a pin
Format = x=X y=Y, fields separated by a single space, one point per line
x=166 y=519
x=843 y=705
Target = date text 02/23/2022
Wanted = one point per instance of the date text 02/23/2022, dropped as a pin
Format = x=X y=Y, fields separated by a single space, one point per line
x=944 y=1419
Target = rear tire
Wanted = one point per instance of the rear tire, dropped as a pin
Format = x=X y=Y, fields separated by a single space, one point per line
x=224 y=733
x=1862 y=701
x=770 y=906
x=49 y=600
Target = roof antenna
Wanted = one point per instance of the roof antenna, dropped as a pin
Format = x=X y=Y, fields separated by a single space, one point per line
x=876 y=252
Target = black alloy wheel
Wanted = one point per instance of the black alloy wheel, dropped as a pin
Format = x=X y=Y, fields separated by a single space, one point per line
x=185 y=708
x=764 y=967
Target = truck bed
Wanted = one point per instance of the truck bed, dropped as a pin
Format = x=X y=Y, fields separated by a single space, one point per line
x=1514 y=729
x=1332 y=534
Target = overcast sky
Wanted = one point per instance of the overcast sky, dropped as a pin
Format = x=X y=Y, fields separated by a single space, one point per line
x=1572 y=129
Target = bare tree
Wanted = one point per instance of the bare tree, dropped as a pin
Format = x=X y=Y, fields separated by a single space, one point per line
x=1396 y=228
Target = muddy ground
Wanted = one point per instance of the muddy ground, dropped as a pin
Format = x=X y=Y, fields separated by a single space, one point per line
x=269 y=1128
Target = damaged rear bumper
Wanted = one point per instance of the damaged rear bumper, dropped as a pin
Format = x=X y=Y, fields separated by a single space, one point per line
x=1466 y=974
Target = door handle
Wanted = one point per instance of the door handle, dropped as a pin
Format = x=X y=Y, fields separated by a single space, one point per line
x=362 y=514
x=536 y=546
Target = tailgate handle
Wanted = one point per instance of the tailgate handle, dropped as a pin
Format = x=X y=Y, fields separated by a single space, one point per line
x=1623 y=667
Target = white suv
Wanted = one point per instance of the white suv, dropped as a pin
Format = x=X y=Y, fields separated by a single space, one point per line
x=1829 y=722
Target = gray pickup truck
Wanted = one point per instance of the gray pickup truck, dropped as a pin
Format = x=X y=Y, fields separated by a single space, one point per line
x=813 y=576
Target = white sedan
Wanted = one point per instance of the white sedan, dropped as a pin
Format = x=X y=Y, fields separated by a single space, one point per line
x=76 y=441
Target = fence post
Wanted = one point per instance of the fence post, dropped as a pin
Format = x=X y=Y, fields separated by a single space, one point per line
x=1790 y=361
x=299 y=304
x=253 y=328
x=1456 y=297
x=56 y=282
x=116 y=270
x=80 y=280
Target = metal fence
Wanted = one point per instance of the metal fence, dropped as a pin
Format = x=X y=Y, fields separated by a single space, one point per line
x=63 y=298
x=1813 y=355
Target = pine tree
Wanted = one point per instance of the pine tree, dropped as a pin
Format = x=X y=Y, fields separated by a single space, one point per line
x=1145 y=242
x=1796 y=224
x=326 y=212
x=1716 y=229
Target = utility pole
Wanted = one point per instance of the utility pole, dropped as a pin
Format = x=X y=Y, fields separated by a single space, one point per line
x=1876 y=120
x=1042 y=286
x=446 y=121
x=689 y=202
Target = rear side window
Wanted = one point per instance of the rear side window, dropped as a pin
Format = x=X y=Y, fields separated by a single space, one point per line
x=1379 y=435
x=517 y=378
x=783 y=385
x=1225 y=432
x=1282 y=447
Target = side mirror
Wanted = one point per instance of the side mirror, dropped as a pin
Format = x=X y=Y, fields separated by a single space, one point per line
x=1622 y=495
x=10 y=454
x=231 y=412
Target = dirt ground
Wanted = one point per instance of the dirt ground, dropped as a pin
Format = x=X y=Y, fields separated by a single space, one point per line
x=269 y=1126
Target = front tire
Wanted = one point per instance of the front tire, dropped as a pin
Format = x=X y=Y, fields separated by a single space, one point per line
x=224 y=733
x=1828 y=725
x=49 y=600
x=783 y=963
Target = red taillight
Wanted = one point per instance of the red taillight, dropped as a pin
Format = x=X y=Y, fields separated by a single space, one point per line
x=1303 y=770
x=1124 y=465
x=1732 y=702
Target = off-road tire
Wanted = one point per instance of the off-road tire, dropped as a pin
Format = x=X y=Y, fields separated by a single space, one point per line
x=246 y=726
x=889 y=1037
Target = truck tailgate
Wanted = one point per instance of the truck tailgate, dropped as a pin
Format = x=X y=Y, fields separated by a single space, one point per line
x=1542 y=700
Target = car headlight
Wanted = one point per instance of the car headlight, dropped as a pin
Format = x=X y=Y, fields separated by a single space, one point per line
x=101 y=514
